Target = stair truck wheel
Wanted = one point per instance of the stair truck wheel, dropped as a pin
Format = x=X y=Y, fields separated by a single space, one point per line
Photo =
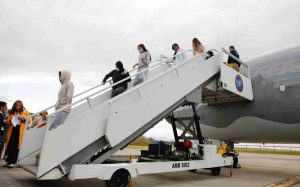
x=120 y=178
x=215 y=171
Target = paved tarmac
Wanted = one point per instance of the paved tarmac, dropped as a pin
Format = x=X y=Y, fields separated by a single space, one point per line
x=257 y=170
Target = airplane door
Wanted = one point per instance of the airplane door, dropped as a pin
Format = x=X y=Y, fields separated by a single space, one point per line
x=238 y=82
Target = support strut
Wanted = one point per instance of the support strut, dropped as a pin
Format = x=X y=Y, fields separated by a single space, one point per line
x=198 y=129
x=197 y=124
x=195 y=132
x=174 y=130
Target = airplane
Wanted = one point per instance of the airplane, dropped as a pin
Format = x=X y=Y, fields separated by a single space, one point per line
x=272 y=115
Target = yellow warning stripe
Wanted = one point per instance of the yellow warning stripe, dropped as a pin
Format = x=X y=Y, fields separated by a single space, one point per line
x=287 y=182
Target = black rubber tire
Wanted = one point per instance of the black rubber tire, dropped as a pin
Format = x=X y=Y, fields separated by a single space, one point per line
x=216 y=171
x=193 y=170
x=120 y=178
x=235 y=162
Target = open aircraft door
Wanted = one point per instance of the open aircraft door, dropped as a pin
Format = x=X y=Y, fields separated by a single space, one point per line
x=238 y=82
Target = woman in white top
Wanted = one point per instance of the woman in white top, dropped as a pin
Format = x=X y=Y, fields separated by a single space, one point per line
x=198 y=47
x=179 y=56
x=143 y=63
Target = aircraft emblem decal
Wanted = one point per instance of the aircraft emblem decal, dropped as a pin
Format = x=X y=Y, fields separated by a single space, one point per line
x=239 y=83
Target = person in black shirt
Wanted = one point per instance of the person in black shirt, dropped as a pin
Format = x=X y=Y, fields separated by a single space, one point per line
x=234 y=63
x=3 y=125
x=117 y=75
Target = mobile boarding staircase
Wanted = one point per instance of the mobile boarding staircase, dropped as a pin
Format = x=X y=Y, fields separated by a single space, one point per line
x=101 y=125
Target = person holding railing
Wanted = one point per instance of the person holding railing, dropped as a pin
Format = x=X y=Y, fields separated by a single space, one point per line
x=143 y=63
x=231 y=62
x=117 y=75
x=65 y=96
x=3 y=124
x=40 y=120
x=16 y=124
x=179 y=55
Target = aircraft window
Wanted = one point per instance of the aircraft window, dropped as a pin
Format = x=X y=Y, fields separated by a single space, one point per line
x=280 y=69
x=296 y=66
x=267 y=72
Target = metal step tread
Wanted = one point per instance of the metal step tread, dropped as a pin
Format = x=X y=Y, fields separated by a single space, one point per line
x=31 y=168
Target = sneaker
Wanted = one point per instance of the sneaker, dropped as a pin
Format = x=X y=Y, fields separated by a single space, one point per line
x=11 y=166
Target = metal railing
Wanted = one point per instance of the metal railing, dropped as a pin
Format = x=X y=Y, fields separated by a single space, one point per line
x=87 y=98
x=79 y=94
x=175 y=67
x=249 y=147
x=237 y=59
x=109 y=87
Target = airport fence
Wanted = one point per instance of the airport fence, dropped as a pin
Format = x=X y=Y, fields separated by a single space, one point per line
x=250 y=147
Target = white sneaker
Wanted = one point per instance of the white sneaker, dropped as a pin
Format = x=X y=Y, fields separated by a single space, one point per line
x=11 y=166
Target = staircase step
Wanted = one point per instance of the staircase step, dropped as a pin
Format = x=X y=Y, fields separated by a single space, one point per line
x=31 y=168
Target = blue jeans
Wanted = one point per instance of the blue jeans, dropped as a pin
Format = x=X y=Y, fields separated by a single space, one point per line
x=2 y=139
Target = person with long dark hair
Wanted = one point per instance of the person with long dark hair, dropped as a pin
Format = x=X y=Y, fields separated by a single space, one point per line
x=143 y=63
x=3 y=124
x=16 y=124
x=179 y=55
x=117 y=75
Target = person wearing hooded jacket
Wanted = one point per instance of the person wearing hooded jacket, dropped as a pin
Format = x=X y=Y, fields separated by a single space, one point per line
x=117 y=75
x=65 y=96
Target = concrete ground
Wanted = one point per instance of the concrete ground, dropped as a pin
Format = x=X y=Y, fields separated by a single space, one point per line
x=257 y=170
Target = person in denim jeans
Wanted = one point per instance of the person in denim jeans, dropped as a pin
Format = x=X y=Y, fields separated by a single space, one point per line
x=3 y=125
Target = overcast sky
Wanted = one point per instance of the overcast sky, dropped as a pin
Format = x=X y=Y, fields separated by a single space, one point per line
x=40 y=37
